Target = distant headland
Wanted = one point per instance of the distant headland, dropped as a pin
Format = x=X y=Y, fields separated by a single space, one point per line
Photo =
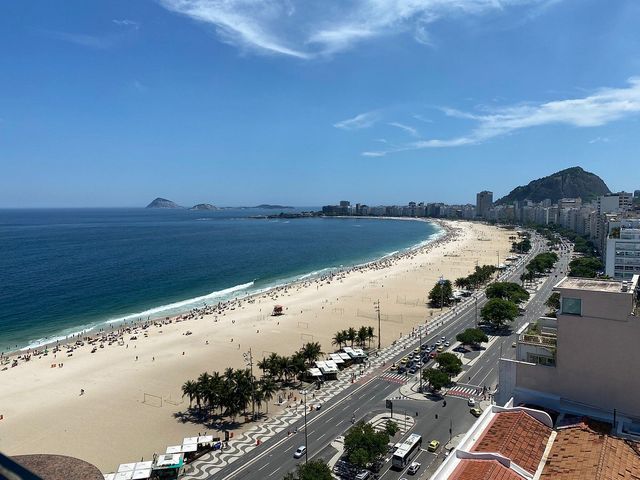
x=164 y=203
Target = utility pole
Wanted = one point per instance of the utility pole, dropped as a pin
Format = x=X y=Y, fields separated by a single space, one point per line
x=441 y=282
x=248 y=358
x=420 y=347
x=306 y=448
x=377 y=308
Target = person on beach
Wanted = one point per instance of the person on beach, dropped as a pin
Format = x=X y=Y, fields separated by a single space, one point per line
x=81 y=391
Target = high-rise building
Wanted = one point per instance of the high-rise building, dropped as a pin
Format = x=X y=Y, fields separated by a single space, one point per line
x=556 y=366
x=636 y=194
x=622 y=251
x=484 y=202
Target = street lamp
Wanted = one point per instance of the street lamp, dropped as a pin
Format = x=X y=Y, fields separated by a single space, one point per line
x=441 y=281
x=248 y=358
x=306 y=448
x=420 y=346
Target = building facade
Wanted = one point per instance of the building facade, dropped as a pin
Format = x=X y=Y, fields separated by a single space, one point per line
x=484 y=202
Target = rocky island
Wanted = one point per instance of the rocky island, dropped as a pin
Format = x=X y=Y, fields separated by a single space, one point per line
x=163 y=203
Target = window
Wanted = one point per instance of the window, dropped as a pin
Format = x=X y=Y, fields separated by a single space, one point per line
x=572 y=306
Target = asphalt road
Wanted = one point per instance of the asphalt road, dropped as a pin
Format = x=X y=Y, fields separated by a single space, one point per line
x=275 y=458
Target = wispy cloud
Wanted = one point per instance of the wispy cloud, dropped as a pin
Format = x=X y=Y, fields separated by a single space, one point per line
x=603 y=106
x=363 y=120
x=600 y=139
x=313 y=29
x=125 y=22
x=98 y=41
x=406 y=128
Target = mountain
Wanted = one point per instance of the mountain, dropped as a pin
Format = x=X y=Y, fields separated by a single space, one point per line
x=570 y=183
x=204 y=206
x=271 y=207
x=163 y=203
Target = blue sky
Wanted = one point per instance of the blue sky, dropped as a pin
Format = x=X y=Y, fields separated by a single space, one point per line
x=112 y=103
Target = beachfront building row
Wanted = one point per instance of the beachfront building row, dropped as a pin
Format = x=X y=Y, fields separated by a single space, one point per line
x=570 y=397
x=584 y=360
x=412 y=209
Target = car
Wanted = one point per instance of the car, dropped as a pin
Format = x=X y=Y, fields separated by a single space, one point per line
x=413 y=369
x=413 y=468
x=440 y=349
x=363 y=475
x=471 y=402
x=432 y=355
x=514 y=345
x=446 y=344
x=424 y=346
x=433 y=445
x=417 y=350
x=393 y=367
x=443 y=338
x=476 y=412
x=438 y=343
x=402 y=369
x=404 y=360
x=300 y=451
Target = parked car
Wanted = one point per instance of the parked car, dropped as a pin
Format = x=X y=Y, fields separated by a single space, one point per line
x=476 y=412
x=300 y=451
x=413 y=369
x=413 y=468
x=433 y=445
x=446 y=344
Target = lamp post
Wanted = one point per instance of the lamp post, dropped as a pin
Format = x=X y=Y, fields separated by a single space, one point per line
x=306 y=448
x=441 y=282
x=420 y=346
x=248 y=358
x=377 y=308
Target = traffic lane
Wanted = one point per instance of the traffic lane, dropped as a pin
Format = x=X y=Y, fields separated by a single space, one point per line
x=432 y=423
x=321 y=432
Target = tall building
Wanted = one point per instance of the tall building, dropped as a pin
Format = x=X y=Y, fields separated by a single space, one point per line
x=484 y=202
x=622 y=251
x=580 y=361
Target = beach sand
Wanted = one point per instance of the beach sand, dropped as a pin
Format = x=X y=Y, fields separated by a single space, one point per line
x=43 y=411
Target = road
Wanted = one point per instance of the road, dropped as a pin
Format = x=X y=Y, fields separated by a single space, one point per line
x=275 y=458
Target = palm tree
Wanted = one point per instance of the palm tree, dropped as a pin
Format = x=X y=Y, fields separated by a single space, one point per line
x=339 y=338
x=362 y=335
x=370 y=334
x=352 y=335
x=268 y=388
x=190 y=389
x=311 y=352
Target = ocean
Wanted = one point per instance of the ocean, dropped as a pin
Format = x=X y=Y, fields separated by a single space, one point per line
x=67 y=270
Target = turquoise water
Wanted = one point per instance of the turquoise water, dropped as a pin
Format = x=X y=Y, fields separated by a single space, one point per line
x=66 y=270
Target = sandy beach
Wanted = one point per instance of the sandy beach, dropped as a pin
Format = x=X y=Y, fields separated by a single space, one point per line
x=43 y=411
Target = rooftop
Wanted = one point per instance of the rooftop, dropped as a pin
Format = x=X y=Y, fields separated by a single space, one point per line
x=517 y=436
x=597 y=285
x=586 y=451
x=484 y=469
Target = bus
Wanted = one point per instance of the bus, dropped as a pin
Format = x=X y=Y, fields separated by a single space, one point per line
x=402 y=456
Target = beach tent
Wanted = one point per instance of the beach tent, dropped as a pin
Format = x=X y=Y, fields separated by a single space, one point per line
x=123 y=475
x=109 y=476
x=174 y=449
x=189 y=440
x=189 y=447
x=330 y=372
x=315 y=372
x=205 y=439
x=337 y=359
x=175 y=460
x=127 y=467
x=332 y=365
x=141 y=474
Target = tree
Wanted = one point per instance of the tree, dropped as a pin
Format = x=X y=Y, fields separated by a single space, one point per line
x=352 y=335
x=472 y=336
x=507 y=291
x=311 y=352
x=339 y=338
x=364 y=446
x=190 y=389
x=586 y=267
x=496 y=311
x=440 y=294
x=391 y=428
x=449 y=364
x=362 y=336
x=312 y=470
x=553 y=302
x=371 y=334
x=435 y=378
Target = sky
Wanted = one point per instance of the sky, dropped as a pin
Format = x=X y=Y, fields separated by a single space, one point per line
x=241 y=102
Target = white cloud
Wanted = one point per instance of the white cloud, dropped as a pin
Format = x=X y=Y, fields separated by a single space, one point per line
x=125 y=22
x=314 y=28
x=600 y=139
x=362 y=120
x=603 y=106
x=410 y=130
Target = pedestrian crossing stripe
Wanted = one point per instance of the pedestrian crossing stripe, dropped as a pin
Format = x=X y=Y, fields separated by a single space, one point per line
x=394 y=377
x=463 y=392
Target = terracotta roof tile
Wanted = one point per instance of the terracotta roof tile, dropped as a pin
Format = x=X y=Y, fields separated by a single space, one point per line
x=483 y=470
x=585 y=452
x=517 y=436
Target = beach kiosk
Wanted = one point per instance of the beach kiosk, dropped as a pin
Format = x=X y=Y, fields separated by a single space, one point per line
x=356 y=354
x=168 y=466
x=337 y=359
x=278 y=310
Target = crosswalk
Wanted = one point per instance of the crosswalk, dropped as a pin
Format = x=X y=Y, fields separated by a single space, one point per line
x=463 y=391
x=400 y=378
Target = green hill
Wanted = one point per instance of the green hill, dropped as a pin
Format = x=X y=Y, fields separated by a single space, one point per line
x=570 y=183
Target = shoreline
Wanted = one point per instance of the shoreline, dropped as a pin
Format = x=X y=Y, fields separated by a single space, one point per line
x=118 y=378
x=133 y=320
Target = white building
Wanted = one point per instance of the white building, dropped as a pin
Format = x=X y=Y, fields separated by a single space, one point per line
x=622 y=254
